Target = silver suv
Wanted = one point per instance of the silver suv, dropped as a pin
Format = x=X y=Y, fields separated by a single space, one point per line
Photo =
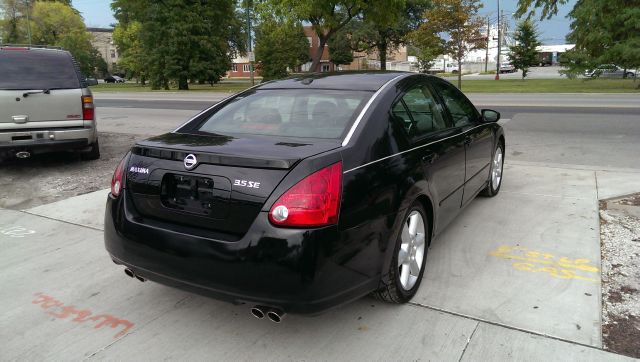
x=45 y=104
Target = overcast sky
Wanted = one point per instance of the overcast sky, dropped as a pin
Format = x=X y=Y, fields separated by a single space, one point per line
x=97 y=13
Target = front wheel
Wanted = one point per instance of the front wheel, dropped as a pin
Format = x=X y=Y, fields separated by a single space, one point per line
x=495 y=177
x=410 y=256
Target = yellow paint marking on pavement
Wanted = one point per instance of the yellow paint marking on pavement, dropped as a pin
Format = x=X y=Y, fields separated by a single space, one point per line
x=542 y=262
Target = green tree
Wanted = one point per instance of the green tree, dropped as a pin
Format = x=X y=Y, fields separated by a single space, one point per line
x=427 y=45
x=459 y=20
x=549 y=7
x=13 y=23
x=280 y=46
x=327 y=17
x=524 y=53
x=340 y=50
x=604 y=31
x=370 y=34
x=183 y=41
x=58 y=24
x=126 y=37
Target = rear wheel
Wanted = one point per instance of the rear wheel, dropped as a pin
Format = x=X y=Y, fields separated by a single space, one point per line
x=410 y=255
x=495 y=177
x=93 y=153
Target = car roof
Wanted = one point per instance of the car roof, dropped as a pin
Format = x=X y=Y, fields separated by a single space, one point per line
x=42 y=51
x=363 y=81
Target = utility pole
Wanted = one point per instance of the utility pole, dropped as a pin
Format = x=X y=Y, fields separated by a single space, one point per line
x=249 y=48
x=499 y=42
x=486 y=57
x=28 y=23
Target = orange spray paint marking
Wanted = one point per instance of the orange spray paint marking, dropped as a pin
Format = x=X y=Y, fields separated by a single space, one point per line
x=58 y=310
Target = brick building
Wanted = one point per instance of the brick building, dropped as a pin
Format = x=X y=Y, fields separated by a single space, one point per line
x=102 y=39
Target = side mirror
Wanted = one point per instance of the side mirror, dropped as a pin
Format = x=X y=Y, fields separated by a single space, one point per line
x=489 y=115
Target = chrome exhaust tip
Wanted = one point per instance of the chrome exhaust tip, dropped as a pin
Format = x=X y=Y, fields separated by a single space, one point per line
x=276 y=315
x=140 y=278
x=258 y=311
x=23 y=154
x=129 y=273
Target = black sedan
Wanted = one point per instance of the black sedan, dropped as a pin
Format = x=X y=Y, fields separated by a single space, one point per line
x=303 y=194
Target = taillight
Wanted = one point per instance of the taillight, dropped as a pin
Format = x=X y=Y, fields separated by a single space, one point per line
x=87 y=108
x=117 y=181
x=312 y=202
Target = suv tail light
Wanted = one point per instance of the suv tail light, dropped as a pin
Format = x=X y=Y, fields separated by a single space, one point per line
x=88 y=111
x=312 y=202
x=117 y=181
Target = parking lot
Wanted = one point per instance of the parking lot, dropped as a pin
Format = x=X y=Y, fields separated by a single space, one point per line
x=514 y=277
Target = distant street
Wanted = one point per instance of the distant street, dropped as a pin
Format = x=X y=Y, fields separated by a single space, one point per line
x=598 y=130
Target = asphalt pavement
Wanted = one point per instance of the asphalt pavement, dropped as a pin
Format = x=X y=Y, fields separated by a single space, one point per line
x=599 y=130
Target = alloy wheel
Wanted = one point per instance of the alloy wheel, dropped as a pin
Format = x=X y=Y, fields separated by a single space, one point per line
x=411 y=253
x=496 y=169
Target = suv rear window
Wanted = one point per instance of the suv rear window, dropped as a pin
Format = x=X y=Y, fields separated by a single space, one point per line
x=36 y=69
x=307 y=113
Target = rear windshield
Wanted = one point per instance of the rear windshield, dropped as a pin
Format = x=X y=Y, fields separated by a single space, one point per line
x=35 y=69
x=308 y=113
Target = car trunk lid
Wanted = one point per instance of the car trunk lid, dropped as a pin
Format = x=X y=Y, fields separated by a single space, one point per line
x=226 y=188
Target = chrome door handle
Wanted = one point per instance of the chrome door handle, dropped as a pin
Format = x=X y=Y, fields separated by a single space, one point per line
x=20 y=118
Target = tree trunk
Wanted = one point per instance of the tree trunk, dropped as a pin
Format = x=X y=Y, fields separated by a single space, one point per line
x=183 y=83
x=459 y=73
x=315 y=64
x=382 y=50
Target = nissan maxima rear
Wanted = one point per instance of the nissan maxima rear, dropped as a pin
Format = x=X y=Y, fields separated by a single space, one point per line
x=303 y=194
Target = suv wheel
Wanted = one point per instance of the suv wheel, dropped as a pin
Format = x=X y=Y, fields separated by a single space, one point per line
x=93 y=153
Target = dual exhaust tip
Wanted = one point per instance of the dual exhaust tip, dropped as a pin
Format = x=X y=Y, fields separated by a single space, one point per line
x=131 y=274
x=274 y=314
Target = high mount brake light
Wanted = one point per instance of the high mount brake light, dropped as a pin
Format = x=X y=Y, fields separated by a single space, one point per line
x=312 y=202
x=117 y=181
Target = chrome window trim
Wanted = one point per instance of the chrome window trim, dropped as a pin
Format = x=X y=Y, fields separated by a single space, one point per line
x=412 y=149
x=364 y=110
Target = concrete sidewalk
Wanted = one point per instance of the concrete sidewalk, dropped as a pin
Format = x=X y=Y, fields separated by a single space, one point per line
x=515 y=277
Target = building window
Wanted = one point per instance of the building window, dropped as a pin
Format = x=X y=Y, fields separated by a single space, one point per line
x=324 y=68
x=246 y=68
x=310 y=40
x=234 y=67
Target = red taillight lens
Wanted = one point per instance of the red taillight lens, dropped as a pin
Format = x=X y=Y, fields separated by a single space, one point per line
x=117 y=181
x=88 y=111
x=312 y=202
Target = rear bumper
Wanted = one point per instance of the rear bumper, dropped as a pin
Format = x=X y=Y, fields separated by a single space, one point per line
x=298 y=271
x=46 y=140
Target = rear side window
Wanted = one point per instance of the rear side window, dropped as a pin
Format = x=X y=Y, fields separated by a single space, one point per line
x=462 y=111
x=419 y=113
x=307 y=113
x=35 y=69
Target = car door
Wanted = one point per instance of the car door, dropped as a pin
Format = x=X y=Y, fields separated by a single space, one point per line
x=478 y=138
x=438 y=147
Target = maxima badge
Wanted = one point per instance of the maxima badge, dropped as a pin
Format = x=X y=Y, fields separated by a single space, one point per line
x=190 y=161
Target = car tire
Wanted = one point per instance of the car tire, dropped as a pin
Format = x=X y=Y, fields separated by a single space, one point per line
x=629 y=75
x=404 y=278
x=495 y=174
x=93 y=153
